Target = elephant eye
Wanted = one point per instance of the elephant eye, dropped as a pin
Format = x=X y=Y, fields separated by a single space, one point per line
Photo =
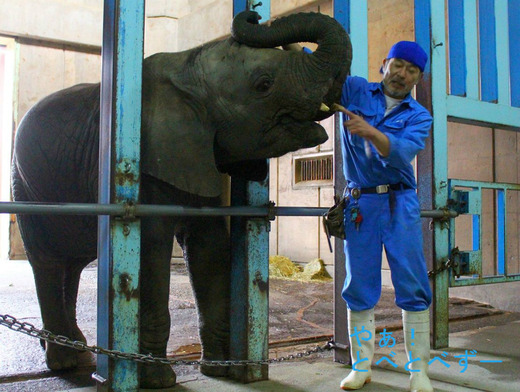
x=263 y=83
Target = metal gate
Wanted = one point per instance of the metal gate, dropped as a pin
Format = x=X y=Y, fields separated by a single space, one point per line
x=471 y=78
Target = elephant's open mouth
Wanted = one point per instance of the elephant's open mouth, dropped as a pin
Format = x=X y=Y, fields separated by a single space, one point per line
x=291 y=135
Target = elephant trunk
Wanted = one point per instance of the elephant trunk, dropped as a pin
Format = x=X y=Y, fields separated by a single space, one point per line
x=332 y=58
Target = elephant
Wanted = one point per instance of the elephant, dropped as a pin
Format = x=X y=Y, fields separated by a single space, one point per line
x=224 y=107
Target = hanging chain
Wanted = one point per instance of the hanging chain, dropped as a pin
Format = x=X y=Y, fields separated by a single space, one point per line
x=451 y=262
x=29 y=329
x=448 y=264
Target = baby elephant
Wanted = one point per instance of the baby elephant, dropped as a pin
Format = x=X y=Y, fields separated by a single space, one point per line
x=223 y=107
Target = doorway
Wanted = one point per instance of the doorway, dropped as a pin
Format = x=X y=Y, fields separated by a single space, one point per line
x=6 y=132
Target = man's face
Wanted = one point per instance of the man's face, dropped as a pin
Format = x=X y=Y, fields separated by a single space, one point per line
x=399 y=77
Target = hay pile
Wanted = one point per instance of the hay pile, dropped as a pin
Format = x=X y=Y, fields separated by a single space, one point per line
x=282 y=267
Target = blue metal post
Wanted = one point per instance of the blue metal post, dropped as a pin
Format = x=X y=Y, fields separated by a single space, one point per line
x=353 y=16
x=501 y=232
x=440 y=171
x=432 y=167
x=119 y=239
x=250 y=265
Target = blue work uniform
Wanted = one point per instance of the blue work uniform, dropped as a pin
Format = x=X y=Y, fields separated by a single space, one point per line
x=396 y=225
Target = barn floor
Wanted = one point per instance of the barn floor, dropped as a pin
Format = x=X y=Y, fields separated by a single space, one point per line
x=300 y=318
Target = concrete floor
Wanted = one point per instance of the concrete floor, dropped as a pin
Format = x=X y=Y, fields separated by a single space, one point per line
x=297 y=310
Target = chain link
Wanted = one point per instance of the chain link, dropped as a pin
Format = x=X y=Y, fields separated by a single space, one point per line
x=29 y=329
x=444 y=266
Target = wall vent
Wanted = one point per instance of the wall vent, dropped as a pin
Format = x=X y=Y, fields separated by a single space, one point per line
x=313 y=170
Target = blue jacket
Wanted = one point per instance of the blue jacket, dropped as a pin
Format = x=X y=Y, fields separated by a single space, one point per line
x=407 y=127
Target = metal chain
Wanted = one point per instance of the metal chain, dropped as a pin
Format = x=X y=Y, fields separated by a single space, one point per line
x=444 y=266
x=29 y=329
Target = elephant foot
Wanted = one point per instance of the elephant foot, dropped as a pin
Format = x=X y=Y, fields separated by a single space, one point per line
x=86 y=358
x=157 y=376
x=60 y=358
x=78 y=335
x=214 y=371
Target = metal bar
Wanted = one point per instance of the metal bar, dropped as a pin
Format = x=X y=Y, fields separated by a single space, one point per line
x=250 y=284
x=250 y=267
x=483 y=112
x=476 y=232
x=501 y=233
x=463 y=282
x=358 y=22
x=342 y=354
x=127 y=210
x=342 y=13
x=424 y=161
x=440 y=169
x=483 y=184
x=487 y=49
x=119 y=240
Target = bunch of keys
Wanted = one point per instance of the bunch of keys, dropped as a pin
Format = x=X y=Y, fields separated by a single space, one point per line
x=356 y=217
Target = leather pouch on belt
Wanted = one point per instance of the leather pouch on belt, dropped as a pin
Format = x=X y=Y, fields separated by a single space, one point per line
x=333 y=220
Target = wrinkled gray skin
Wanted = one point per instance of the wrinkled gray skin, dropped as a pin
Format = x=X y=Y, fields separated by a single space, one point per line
x=222 y=107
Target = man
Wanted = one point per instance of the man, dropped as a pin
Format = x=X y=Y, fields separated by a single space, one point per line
x=384 y=129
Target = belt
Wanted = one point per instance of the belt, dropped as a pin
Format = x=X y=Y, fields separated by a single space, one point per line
x=380 y=189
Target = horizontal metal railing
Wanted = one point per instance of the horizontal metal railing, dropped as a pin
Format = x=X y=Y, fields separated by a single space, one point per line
x=129 y=210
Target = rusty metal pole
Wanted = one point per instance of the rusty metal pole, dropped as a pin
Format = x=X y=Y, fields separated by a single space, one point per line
x=250 y=265
x=119 y=240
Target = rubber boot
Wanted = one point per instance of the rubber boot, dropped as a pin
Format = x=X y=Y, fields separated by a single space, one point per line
x=416 y=328
x=361 y=348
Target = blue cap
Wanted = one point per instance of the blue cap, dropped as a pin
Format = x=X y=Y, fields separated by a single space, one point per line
x=409 y=51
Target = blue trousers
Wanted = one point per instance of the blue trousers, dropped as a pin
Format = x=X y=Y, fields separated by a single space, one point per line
x=401 y=235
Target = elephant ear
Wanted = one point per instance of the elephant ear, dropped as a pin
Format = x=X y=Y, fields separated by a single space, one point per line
x=176 y=146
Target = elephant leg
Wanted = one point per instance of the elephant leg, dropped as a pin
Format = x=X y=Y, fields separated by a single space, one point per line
x=49 y=278
x=156 y=250
x=70 y=292
x=206 y=246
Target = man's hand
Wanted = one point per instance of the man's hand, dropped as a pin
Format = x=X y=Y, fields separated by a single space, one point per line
x=358 y=126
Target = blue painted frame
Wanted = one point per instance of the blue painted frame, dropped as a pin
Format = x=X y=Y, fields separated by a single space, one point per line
x=250 y=264
x=500 y=190
x=483 y=90
x=118 y=239
x=353 y=16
